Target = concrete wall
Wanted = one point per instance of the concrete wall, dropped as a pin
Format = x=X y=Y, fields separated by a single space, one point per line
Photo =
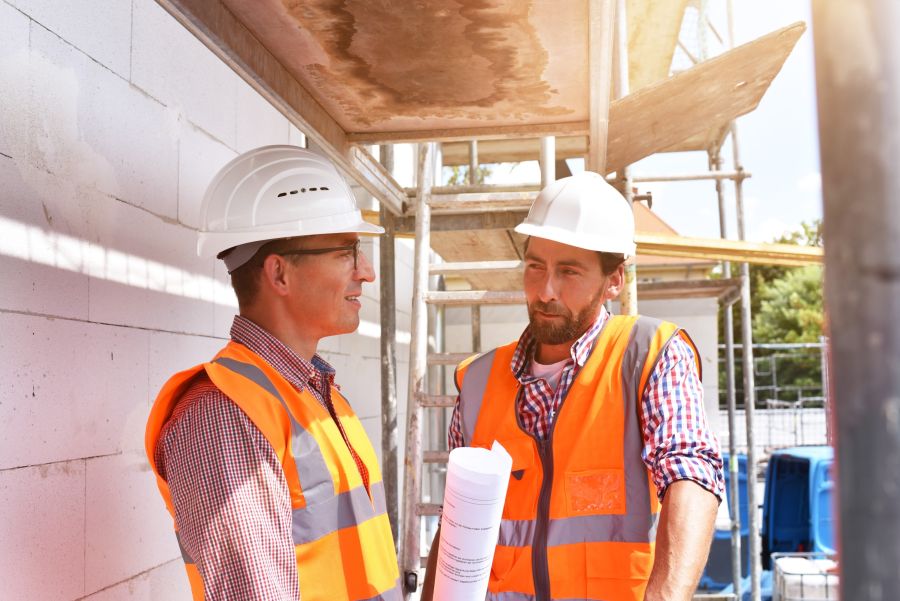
x=112 y=121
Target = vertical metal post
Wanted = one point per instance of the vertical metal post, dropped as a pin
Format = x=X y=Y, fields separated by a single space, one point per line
x=715 y=164
x=388 y=308
x=601 y=15
x=628 y=298
x=826 y=389
x=548 y=160
x=476 y=328
x=747 y=357
x=857 y=55
x=749 y=383
x=418 y=350
x=473 y=162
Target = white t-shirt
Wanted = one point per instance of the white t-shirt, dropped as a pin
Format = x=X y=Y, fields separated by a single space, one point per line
x=551 y=373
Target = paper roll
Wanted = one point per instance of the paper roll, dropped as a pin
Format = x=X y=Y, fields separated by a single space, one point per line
x=470 y=524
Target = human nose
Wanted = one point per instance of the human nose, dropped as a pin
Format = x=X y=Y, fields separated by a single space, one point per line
x=548 y=290
x=364 y=270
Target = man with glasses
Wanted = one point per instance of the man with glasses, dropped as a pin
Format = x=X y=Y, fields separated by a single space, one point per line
x=271 y=480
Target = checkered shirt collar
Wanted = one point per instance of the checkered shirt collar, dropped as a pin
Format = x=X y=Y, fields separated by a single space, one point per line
x=295 y=369
x=579 y=352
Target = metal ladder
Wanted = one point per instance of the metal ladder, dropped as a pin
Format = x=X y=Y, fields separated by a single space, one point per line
x=485 y=200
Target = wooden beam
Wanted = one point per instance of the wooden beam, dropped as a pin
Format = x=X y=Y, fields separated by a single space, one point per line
x=503 y=220
x=601 y=16
x=464 y=134
x=228 y=38
x=728 y=250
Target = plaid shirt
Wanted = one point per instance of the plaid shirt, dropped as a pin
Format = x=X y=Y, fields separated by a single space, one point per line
x=231 y=499
x=678 y=444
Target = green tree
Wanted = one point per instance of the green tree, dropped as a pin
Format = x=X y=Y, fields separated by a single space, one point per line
x=786 y=306
x=459 y=175
x=790 y=307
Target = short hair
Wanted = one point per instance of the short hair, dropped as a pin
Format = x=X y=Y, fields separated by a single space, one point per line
x=245 y=279
x=609 y=262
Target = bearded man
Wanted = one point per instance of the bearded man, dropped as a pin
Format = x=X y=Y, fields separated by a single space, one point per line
x=616 y=476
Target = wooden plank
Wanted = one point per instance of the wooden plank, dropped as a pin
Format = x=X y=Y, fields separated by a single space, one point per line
x=687 y=112
x=653 y=28
x=601 y=15
x=464 y=134
x=495 y=201
x=475 y=267
x=457 y=298
x=218 y=29
x=437 y=401
x=463 y=222
x=728 y=250
x=659 y=117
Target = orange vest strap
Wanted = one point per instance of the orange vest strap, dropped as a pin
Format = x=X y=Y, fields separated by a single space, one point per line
x=312 y=469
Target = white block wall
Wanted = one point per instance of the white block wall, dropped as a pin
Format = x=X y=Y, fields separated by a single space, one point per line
x=112 y=120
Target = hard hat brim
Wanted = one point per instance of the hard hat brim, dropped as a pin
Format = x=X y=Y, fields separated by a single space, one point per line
x=210 y=244
x=573 y=239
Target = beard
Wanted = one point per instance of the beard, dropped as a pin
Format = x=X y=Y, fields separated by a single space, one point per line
x=567 y=329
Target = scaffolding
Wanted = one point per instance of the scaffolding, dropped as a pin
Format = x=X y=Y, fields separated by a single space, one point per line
x=615 y=134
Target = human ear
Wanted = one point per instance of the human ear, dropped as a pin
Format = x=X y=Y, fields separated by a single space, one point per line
x=274 y=274
x=615 y=282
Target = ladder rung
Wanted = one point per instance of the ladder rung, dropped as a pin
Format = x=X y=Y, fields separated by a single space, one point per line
x=437 y=401
x=436 y=456
x=428 y=509
x=475 y=267
x=447 y=358
x=475 y=297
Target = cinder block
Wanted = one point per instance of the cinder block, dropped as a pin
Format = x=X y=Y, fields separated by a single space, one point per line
x=128 y=530
x=167 y=582
x=68 y=388
x=42 y=529
x=258 y=123
x=200 y=157
x=95 y=131
x=206 y=93
x=172 y=353
x=39 y=268
x=99 y=28
x=362 y=385
x=149 y=275
x=13 y=73
x=226 y=305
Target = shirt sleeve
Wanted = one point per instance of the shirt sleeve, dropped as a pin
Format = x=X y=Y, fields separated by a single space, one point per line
x=454 y=432
x=678 y=442
x=231 y=501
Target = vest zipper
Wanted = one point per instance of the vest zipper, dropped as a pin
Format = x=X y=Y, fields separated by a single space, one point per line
x=540 y=567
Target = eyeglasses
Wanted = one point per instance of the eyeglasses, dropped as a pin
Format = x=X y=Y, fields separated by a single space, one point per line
x=321 y=251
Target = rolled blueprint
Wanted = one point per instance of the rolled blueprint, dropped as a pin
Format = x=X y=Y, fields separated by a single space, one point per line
x=470 y=524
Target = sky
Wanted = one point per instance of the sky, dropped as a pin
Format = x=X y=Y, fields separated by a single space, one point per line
x=778 y=143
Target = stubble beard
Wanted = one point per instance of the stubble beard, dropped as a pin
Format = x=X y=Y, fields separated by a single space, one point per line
x=568 y=329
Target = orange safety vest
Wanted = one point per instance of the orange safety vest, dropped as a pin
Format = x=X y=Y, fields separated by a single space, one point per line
x=580 y=516
x=341 y=532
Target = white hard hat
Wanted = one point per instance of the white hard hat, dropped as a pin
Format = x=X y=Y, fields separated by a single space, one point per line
x=584 y=211
x=275 y=192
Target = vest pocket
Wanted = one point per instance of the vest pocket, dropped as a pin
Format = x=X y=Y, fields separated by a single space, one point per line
x=595 y=492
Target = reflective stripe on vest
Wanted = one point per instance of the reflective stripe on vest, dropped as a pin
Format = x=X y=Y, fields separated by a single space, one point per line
x=311 y=467
x=325 y=512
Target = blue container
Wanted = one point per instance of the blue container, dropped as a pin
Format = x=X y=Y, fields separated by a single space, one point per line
x=798 y=513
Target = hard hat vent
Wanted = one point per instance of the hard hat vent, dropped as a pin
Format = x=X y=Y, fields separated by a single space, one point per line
x=303 y=191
